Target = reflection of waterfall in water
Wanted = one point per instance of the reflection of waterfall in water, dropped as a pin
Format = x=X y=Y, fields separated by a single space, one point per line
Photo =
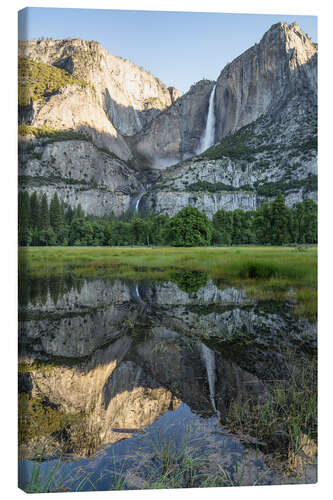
x=208 y=358
x=207 y=139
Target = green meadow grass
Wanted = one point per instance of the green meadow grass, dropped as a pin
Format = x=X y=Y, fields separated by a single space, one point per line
x=266 y=272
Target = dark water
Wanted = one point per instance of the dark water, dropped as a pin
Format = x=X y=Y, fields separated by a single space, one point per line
x=117 y=375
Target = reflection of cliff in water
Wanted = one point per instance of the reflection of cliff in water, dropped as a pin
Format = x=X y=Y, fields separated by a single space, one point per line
x=89 y=314
x=118 y=354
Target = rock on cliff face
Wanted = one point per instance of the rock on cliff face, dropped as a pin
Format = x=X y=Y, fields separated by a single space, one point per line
x=80 y=173
x=76 y=108
x=264 y=76
x=175 y=134
x=129 y=95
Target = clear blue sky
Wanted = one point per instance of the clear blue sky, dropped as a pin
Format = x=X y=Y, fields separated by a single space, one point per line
x=179 y=48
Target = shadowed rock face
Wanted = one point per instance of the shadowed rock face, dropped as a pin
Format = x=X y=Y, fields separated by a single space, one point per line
x=176 y=133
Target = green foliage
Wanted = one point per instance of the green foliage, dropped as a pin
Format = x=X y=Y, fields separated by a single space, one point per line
x=58 y=224
x=259 y=270
x=36 y=418
x=190 y=281
x=234 y=146
x=269 y=189
x=215 y=187
x=52 y=134
x=189 y=228
x=279 y=221
x=37 y=80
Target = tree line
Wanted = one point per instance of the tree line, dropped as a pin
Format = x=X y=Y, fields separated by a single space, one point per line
x=42 y=223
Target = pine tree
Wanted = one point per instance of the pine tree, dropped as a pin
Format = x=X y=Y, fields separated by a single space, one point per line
x=263 y=223
x=24 y=233
x=310 y=221
x=44 y=217
x=34 y=211
x=280 y=216
x=222 y=227
x=55 y=214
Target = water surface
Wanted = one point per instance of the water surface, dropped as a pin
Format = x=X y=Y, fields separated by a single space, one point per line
x=114 y=372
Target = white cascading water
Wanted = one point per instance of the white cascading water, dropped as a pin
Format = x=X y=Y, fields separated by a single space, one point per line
x=208 y=358
x=207 y=139
x=138 y=203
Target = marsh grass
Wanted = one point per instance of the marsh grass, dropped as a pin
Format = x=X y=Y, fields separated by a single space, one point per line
x=52 y=479
x=182 y=464
x=172 y=467
x=287 y=421
x=267 y=272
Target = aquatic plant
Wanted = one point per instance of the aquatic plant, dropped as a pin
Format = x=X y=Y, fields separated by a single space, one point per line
x=287 y=420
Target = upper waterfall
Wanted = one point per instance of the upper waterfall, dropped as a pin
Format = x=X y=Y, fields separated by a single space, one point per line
x=207 y=139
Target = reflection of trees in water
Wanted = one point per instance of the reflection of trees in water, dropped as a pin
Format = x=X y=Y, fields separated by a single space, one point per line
x=57 y=288
x=36 y=290
x=190 y=281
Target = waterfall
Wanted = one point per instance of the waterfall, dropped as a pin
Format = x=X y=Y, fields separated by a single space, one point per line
x=138 y=202
x=208 y=358
x=207 y=139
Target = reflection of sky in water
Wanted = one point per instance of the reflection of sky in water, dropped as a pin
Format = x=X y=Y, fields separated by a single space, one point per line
x=182 y=428
x=181 y=335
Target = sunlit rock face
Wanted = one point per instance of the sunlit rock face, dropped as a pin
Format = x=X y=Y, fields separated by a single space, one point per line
x=130 y=96
x=272 y=89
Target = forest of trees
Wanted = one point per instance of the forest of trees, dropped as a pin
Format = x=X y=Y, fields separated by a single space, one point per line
x=42 y=223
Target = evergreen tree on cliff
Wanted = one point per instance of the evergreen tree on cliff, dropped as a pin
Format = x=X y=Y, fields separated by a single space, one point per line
x=189 y=228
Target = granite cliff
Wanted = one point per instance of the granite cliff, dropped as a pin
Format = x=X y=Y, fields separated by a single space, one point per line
x=111 y=135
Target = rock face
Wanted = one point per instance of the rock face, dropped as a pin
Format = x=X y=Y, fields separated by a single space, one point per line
x=175 y=134
x=264 y=76
x=129 y=95
x=80 y=173
x=142 y=137
x=75 y=108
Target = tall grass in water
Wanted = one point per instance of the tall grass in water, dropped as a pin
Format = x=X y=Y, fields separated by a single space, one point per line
x=53 y=480
x=287 y=421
